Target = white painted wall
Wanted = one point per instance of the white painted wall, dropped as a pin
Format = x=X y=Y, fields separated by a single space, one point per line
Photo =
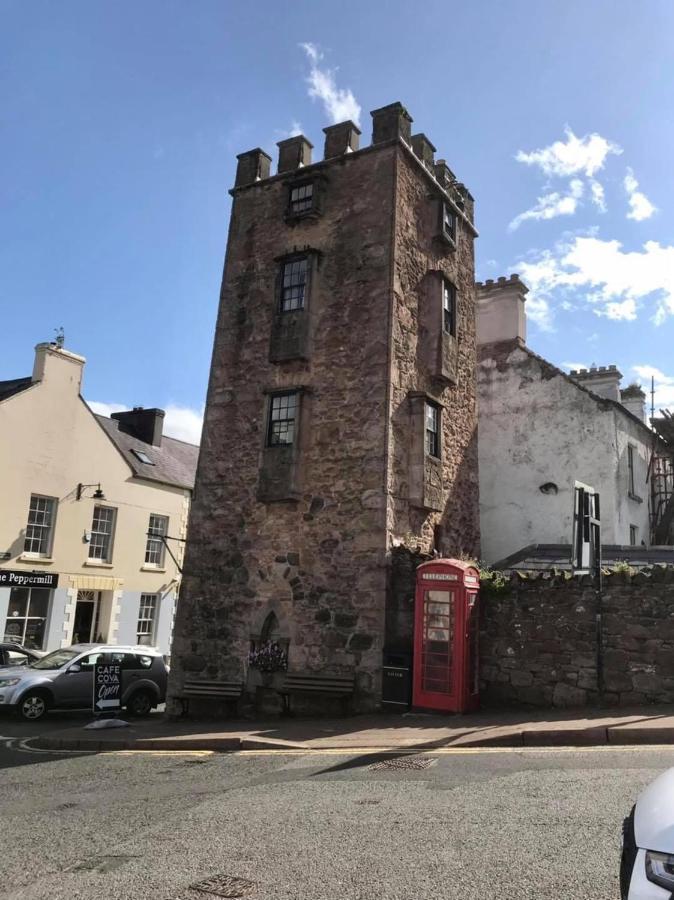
x=536 y=427
x=49 y=442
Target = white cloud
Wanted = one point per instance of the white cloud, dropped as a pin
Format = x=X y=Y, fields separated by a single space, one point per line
x=640 y=206
x=571 y=366
x=181 y=422
x=609 y=280
x=339 y=103
x=552 y=205
x=597 y=194
x=575 y=156
x=293 y=131
x=664 y=385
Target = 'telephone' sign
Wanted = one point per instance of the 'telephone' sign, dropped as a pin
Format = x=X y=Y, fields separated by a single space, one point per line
x=107 y=684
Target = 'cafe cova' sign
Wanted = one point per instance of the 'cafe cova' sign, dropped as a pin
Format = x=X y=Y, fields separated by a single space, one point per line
x=12 y=578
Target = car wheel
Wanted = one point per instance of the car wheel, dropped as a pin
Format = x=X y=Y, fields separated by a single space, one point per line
x=140 y=704
x=33 y=706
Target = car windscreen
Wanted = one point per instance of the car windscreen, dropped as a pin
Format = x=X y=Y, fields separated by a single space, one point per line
x=55 y=660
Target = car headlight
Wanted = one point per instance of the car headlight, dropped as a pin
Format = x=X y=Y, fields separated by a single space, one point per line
x=8 y=682
x=660 y=869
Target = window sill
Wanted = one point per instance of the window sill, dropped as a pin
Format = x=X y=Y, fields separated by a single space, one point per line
x=97 y=564
x=448 y=240
x=34 y=557
x=147 y=568
x=635 y=497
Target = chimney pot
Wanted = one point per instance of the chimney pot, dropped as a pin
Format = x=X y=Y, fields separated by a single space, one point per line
x=391 y=122
x=344 y=137
x=252 y=166
x=423 y=148
x=294 y=153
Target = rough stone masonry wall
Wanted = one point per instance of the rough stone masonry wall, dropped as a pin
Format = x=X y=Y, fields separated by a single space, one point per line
x=419 y=260
x=317 y=563
x=538 y=641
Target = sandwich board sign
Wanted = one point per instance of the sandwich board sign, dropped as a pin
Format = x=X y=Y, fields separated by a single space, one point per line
x=107 y=684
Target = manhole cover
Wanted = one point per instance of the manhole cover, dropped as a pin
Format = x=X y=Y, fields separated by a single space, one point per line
x=225 y=886
x=404 y=763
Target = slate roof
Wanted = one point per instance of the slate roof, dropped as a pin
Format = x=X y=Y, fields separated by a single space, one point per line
x=543 y=557
x=14 y=386
x=175 y=462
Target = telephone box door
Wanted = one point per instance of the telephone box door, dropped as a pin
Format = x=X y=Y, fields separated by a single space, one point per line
x=446 y=636
x=435 y=650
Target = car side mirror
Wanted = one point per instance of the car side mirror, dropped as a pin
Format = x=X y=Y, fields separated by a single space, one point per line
x=74 y=669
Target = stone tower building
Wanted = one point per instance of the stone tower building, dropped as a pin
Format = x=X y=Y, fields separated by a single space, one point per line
x=339 y=441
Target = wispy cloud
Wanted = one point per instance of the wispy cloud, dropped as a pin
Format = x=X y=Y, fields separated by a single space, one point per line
x=549 y=206
x=604 y=277
x=181 y=422
x=574 y=156
x=577 y=159
x=640 y=206
x=293 y=131
x=339 y=103
x=571 y=366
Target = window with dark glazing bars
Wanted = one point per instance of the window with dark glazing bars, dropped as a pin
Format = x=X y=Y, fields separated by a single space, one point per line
x=432 y=430
x=448 y=308
x=294 y=279
x=301 y=198
x=448 y=221
x=282 y=418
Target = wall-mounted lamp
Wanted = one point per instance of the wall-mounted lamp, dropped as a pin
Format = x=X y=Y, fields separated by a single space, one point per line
x=97 y=494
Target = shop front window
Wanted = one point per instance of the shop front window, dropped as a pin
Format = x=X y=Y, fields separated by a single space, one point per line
x=27 y=617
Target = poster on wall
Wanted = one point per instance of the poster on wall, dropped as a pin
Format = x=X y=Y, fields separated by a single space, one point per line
x=107 y=685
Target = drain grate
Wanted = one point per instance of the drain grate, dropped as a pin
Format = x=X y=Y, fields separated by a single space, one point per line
x=402 y=764
x=228 y=886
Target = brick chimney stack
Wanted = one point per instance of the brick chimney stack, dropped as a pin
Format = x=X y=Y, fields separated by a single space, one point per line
x=294 y=153
x=341 y=138
x=144 y=424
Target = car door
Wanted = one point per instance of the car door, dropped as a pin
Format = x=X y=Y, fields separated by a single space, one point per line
x=74 y=687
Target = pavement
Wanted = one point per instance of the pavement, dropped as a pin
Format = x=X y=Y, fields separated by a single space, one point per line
x=411 y=731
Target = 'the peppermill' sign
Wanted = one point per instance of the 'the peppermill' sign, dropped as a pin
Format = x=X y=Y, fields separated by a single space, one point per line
x=12 y=578
x=107 y=684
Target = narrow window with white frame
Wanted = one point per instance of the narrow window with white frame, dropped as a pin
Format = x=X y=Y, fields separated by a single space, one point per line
x=40 y=526
x=147 y=620
x=102 y=531
x=630 y=470
x=433 y=430
x=155 y=547
x=448 y=308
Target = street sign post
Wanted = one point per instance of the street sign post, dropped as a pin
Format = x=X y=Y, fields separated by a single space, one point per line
x=107 y=684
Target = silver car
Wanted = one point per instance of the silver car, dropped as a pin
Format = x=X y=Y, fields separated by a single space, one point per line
x=64 y=679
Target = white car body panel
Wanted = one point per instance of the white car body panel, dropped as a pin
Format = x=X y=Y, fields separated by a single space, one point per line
x=654 y=815
x=640 y=887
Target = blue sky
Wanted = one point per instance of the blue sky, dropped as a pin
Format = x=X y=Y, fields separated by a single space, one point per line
x=120 y=123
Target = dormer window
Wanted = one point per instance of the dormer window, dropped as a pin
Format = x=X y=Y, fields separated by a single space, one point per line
x=301 y=198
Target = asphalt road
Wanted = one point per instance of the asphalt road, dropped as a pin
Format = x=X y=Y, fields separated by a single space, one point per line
x=317 y=826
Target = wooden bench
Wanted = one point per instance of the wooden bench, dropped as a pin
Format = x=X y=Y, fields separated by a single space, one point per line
x=218 y=690
x=315 y=683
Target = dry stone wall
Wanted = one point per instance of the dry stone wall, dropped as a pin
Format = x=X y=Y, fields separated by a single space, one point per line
x=539 y=641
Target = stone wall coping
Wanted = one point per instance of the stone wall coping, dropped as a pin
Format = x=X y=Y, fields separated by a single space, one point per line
x=643 y=575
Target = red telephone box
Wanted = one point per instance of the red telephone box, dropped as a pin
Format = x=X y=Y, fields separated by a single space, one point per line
x=446 y=636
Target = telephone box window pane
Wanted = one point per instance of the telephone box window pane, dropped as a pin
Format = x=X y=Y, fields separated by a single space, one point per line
x=282 y=418
x=438 y=635
x=294 y=279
